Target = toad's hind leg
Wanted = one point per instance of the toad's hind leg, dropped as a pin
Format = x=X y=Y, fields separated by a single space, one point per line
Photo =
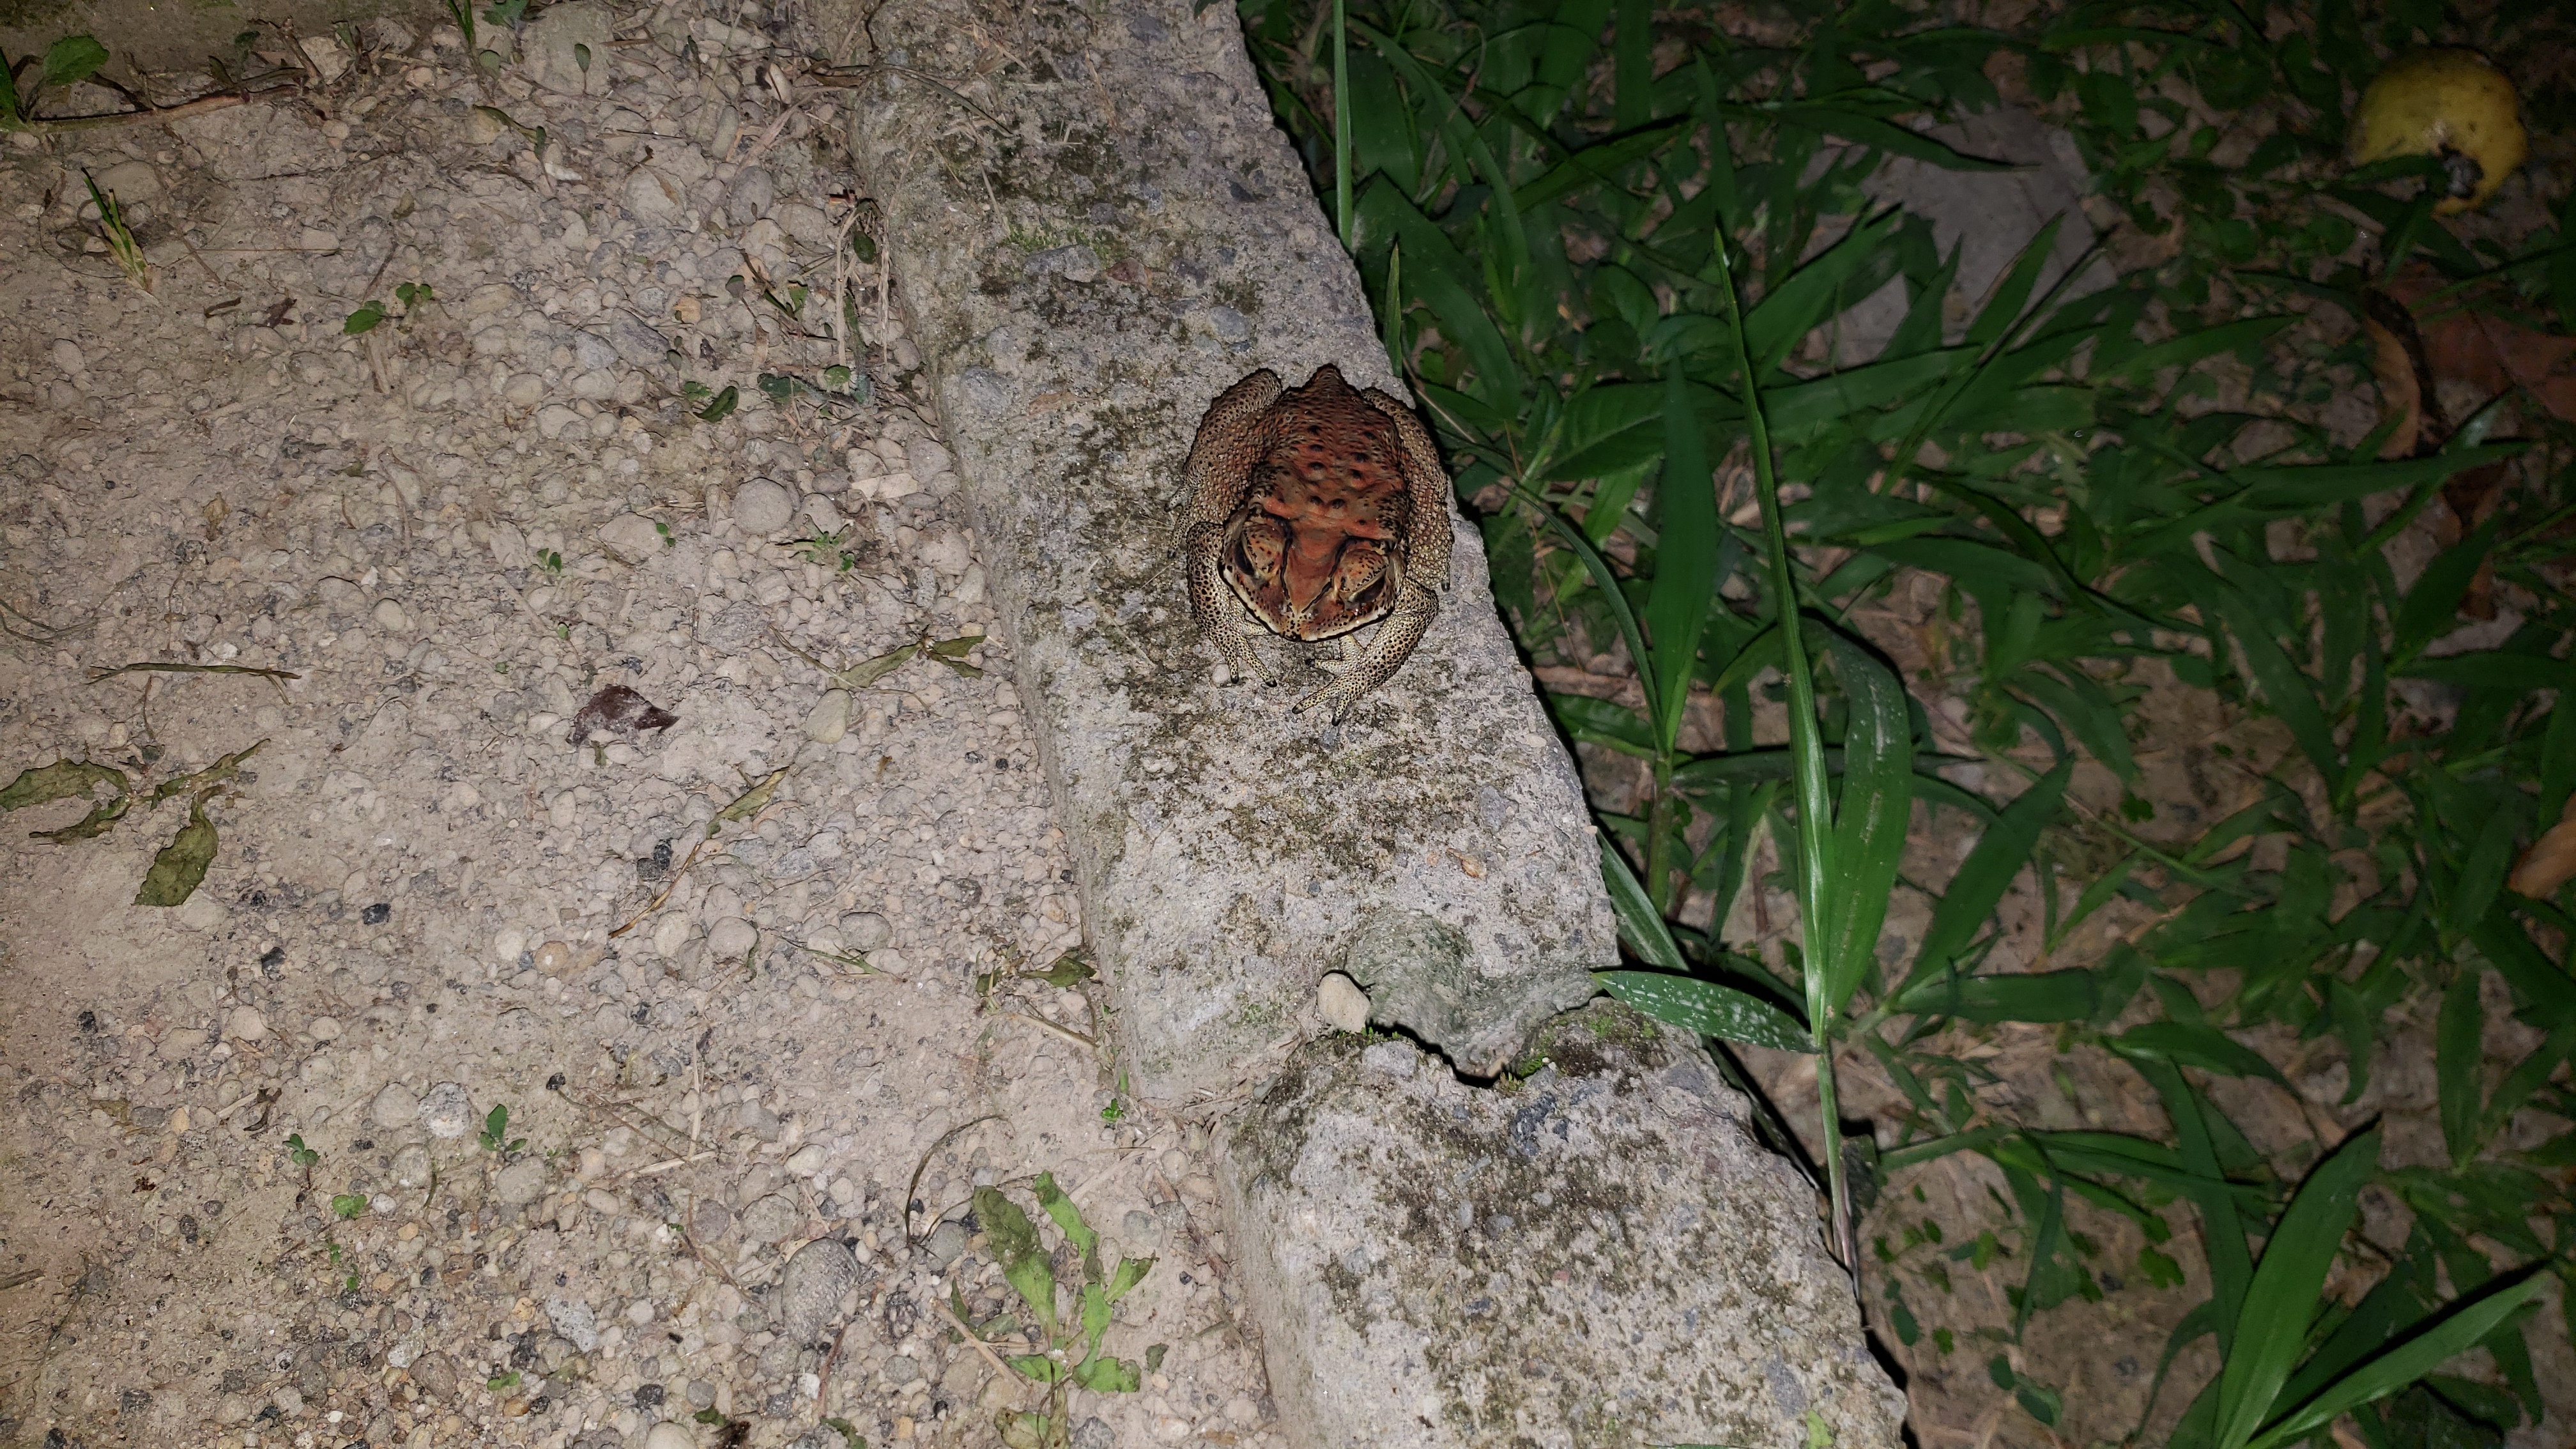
x=1219 y=613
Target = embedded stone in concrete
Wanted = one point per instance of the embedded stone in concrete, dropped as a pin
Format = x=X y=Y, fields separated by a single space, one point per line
x=1075 y=318
x=1603 y=1257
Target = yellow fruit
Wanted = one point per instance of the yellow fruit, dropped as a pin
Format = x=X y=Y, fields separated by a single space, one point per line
x=2446 y=103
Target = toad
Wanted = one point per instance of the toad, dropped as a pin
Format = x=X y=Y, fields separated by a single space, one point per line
x=1320 y=510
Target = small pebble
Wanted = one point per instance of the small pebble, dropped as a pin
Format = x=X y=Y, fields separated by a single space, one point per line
x=246 y=1024
x=323 y=1028
x=762 y=507
x=770 y=1218
x=554 y=958
x=447 y=1112
x=864 y=931
x=830 y=718
x=729 y=938
x=394 y=1107
x=667 y=1435
x=522 y=1182
x=1341 y=1001
x=810 y=1292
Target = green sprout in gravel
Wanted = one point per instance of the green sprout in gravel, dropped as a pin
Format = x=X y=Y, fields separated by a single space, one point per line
x=494 y=1134
x=1067 y=1320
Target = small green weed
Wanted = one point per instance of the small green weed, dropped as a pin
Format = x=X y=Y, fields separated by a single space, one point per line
x=1068 y=1319
x=825 y=550
x=495 y=1132
x=119 y=237
x=66 y=62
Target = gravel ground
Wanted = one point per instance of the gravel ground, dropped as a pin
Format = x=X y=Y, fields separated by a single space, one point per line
x=252 y=1198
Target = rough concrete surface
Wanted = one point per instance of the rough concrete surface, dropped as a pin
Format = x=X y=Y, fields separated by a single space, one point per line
x=1099 y=232
x=1602 y=1257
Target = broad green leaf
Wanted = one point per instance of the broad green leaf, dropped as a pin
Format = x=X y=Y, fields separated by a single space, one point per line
x=750 y=802
x=1869 y=827
x=73 y=59
x=1696 y=1004
x=182 y=864
x=1108 y=1375
x=867 y=672
x=1095 y=1317
x=100 y=819
x=1131 y=1271
x=1685 y=563
x=2288 y=1282
x=1013 y=1241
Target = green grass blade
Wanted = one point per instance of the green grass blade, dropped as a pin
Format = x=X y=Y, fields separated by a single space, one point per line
x=2000 y=853
x=2408 y=1362
x=1342 y=124
x=2282 y=1299
x=2222 y=1231
x=2193 y=1044
x=1597 y=163
x=2191 y=347
x=1632 y=62
x=1639 y=924
x=1447 y=284
x=2042 y=996
x=2456 y=1059
x=1685 y=562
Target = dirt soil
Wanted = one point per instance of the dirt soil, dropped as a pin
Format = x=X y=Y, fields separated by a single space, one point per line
x=258 y=1187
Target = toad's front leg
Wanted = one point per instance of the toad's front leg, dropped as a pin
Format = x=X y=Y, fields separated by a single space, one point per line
x=1219 y=613
x=1415 y=607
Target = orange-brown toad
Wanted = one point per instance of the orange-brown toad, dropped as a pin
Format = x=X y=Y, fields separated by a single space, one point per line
x=1322 y=510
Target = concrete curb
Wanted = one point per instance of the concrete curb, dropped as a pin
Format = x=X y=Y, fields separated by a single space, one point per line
x=1083 y=280
x=1095 y=229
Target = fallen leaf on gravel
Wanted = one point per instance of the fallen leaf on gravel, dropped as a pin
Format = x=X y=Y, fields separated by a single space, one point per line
x=60 y=780
x=869 y=671
x=2551 y=860
x=750 y=802
x=182 y=863
x=620 y=711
